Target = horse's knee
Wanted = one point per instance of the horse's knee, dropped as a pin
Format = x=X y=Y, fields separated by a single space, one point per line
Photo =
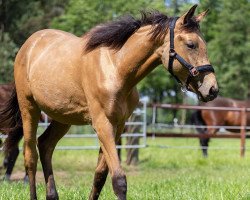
x=119 y=183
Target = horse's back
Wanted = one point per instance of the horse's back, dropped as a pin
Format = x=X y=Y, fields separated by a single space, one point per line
x=228 y=118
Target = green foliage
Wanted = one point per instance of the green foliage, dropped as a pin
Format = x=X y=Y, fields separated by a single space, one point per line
x=230 y=48
x=18 y=20
x=158 y=84
x=226 y=30
x=81 y=16
x=8 y=50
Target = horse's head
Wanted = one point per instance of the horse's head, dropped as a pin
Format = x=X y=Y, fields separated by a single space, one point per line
x=185 y=56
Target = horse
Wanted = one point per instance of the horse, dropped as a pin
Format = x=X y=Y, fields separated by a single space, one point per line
x=218 y=118
x=12 y=150
x=92 y=80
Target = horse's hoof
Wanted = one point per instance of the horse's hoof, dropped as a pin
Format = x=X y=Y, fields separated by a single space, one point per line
x=52 y=197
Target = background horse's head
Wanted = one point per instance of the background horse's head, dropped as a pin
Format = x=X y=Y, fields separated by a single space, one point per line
x=189 y=63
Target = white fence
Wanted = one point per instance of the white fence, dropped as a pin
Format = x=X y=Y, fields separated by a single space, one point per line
x=140 y=111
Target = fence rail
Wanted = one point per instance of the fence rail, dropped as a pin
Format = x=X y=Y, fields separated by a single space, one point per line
x=141 y=110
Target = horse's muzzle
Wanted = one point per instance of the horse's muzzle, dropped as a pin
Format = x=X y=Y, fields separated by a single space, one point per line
x=212 y=94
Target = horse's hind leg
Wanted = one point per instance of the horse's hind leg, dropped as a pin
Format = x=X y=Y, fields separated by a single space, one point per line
x=30 y=117
x=46 y=145
x=101 y=173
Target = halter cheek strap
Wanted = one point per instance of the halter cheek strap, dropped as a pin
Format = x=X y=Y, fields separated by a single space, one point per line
x=193 y=71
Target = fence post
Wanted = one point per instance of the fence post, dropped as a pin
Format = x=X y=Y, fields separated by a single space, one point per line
x=133 y=153
x=243 y=131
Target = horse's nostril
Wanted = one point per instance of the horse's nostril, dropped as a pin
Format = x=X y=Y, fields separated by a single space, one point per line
x=213 y=91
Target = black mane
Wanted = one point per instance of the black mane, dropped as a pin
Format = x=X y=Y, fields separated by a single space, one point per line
x=114 y=34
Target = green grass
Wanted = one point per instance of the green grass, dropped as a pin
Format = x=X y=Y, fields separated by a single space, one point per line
x=163 y=173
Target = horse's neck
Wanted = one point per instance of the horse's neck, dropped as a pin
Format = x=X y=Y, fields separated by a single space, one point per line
x=137 y=57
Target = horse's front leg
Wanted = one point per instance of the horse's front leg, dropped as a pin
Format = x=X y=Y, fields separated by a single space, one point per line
x=106 y=132
x=101 y=171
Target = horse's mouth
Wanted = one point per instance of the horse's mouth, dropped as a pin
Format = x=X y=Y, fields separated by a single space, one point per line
x=206 y=98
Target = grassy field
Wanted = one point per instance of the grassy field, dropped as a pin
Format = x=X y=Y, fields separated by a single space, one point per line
x=163 y=173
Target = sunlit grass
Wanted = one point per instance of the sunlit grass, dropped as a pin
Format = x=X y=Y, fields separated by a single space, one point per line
x=163 y=173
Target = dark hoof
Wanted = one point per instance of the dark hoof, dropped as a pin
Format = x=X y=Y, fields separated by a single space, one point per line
x=52 y=197
x=120 y=186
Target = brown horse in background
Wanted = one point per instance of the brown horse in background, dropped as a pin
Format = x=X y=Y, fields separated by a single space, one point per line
x=92 y=79
x=14 y=137
x=15 y=134
x=218 y=118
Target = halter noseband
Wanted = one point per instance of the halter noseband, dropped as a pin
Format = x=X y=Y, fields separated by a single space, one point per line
x=193 y=71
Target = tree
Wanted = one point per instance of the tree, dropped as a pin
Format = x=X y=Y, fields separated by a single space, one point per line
x=230 y=48
x=18 y=20
x=81 y=16
x=8 y=50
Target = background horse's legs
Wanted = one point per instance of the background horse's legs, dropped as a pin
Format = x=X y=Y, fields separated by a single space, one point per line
x=204 y=146
x=12 y=150
x=106 y=134
x=46 y=145
x=30 y=117
x=9 y=162
x=204 y=142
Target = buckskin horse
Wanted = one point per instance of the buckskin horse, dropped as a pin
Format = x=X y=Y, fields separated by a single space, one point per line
x=92 y=80
x=218 y=118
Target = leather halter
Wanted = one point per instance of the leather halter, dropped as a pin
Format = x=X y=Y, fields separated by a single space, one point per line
x=193 y=71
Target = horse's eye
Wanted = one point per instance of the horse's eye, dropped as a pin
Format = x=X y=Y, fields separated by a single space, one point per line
x=191 y=45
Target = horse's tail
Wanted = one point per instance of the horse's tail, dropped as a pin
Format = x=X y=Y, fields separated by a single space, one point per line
x=196 y=119
x=11 y=122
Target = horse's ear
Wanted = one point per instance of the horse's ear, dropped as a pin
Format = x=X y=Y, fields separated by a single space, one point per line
x=188 y=15
x=201 y=16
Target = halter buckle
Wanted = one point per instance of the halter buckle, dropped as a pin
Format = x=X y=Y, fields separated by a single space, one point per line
x=172 y=52
x=194 y=72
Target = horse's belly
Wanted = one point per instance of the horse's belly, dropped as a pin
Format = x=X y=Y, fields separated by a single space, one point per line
x=64 y=104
